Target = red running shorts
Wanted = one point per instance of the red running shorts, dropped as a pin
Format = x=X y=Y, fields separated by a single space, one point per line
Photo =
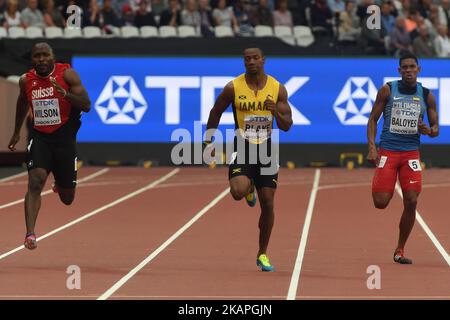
x=405 y=164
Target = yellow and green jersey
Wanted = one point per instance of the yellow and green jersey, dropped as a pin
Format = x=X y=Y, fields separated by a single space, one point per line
x=252 y=119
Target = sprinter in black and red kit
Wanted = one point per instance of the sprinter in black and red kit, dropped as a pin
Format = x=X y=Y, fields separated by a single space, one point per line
x=55 y=96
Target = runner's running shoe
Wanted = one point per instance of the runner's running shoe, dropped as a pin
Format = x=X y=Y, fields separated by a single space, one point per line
x=399 y=257
x=30 y=241
x=264 y=264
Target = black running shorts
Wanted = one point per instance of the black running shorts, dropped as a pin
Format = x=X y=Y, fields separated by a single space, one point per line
x=257 y=162
x=58 y=157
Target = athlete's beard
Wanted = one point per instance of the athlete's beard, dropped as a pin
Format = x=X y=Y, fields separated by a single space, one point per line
x=47 y=71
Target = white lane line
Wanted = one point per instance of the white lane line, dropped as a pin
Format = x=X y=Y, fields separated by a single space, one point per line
x=301 y=249
x=345 y=185
x=87 y=178
x=427 y=230
x=18 y=175
x=92 y=213
x=155 y=253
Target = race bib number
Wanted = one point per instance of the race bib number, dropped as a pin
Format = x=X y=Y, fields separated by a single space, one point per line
x=382 y=162
x=415 y=165
x=46 y=112
x=404 y=117
x=257 y=129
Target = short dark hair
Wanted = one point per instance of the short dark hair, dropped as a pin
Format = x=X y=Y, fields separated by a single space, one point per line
x=255 y=47
x=407 y=55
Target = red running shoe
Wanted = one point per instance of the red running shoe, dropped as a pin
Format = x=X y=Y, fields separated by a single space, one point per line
x=30 y=241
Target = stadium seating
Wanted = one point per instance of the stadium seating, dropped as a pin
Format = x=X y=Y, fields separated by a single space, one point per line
x=263 y=31
x=167 y=31
x=129 y=31
x=223 y=31
x=149 y=31
x=186 y=31
x=72 y=33
x=111 y=32
x=303 y=36
x=16 y=32
x=53 y=32
x=285 y=34
x=92 y=32
x=34 y=32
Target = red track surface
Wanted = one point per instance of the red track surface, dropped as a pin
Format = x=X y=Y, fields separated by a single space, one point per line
x=214 y=258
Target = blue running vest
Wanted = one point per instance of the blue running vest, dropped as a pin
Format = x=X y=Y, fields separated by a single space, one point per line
x=401 y=116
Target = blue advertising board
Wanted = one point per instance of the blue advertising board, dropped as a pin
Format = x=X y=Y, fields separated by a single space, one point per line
x=144 y=99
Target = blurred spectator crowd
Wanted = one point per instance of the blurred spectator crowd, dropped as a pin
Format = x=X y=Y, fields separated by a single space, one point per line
x=419 y=26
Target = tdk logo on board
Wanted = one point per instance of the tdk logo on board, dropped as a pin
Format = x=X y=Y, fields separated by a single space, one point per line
x=121 y=101
x=355 y=101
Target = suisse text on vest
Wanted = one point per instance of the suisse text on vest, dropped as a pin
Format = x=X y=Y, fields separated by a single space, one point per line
x=42 y=93
x=405 y=117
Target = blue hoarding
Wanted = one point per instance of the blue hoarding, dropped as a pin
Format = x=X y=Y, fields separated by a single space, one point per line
x=137 y=99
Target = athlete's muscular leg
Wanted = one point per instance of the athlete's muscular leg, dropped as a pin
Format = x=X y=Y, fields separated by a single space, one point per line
x=408 y=217
x=411 y=183
x=240 y=186
x=381 y=199
x=66 y=195
x=36 y=182
x=65 y=171
x=266 y=220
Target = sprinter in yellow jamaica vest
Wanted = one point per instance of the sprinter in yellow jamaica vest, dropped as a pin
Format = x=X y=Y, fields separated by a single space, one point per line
x=257 y=99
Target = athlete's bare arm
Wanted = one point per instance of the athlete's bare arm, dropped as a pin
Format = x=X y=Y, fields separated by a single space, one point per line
x=281 y=110
x=223 y=101
x=21 y=113
x=77 y=94
x=433 y=130
x=377 y=110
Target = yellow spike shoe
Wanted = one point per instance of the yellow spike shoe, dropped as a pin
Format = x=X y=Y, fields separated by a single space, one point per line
x=264 y=264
